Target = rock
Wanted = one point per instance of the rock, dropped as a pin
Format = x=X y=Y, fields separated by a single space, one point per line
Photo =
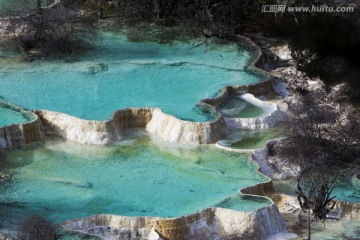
x=286 y=175
x=154 y=235
x=282 y=52
x=96 y=68
x=355 y=181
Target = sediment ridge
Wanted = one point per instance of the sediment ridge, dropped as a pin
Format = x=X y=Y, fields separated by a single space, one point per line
x=153 y=120
x=210 y=223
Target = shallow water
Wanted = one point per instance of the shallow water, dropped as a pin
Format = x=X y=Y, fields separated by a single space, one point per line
x=250 y=139
x=118 y=74
x=9 y=116
x=346 y=191
x=64 y=180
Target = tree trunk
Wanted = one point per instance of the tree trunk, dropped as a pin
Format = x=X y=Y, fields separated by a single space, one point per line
x=101 y=12
x=309 y=236
x=38 y=6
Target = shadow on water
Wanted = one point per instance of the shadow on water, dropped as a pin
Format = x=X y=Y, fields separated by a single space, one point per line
x=23 y=156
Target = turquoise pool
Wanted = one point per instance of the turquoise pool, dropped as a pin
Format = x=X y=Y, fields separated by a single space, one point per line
x=141 y=175
x=138 y=176
x=119 y=73
x=9 y=116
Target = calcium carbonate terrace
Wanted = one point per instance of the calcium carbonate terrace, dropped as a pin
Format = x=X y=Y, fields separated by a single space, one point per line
x=141 y=175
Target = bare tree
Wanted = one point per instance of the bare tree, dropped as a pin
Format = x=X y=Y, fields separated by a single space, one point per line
x=37 y=227
x=322 y=135
x=323 y=140
x=52 y=30
x=314 y=193
x=219 y=17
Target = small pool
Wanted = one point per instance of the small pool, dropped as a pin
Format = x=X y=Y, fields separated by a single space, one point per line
x=10 y=116
x=138 y=177
x=247 y=106
x=239 y=108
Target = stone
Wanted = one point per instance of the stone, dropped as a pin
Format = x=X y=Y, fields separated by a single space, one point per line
x=154 y=235
x=96 y=68
x=355 y=181
x=286 y=175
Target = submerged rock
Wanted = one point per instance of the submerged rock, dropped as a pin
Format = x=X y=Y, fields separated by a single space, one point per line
x=154 y=235
x=96 y=68
x=74 y=183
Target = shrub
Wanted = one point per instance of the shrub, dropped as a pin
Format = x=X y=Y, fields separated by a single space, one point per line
x=37 y=227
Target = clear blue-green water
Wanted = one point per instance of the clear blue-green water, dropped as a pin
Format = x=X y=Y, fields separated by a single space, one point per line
x=343 y=189
x=9 y=116
x=138 y=176
x=346 y=191
x=251 y=139
x=119 y=73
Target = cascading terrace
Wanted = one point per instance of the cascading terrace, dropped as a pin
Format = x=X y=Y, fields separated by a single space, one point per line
x=97 y=85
